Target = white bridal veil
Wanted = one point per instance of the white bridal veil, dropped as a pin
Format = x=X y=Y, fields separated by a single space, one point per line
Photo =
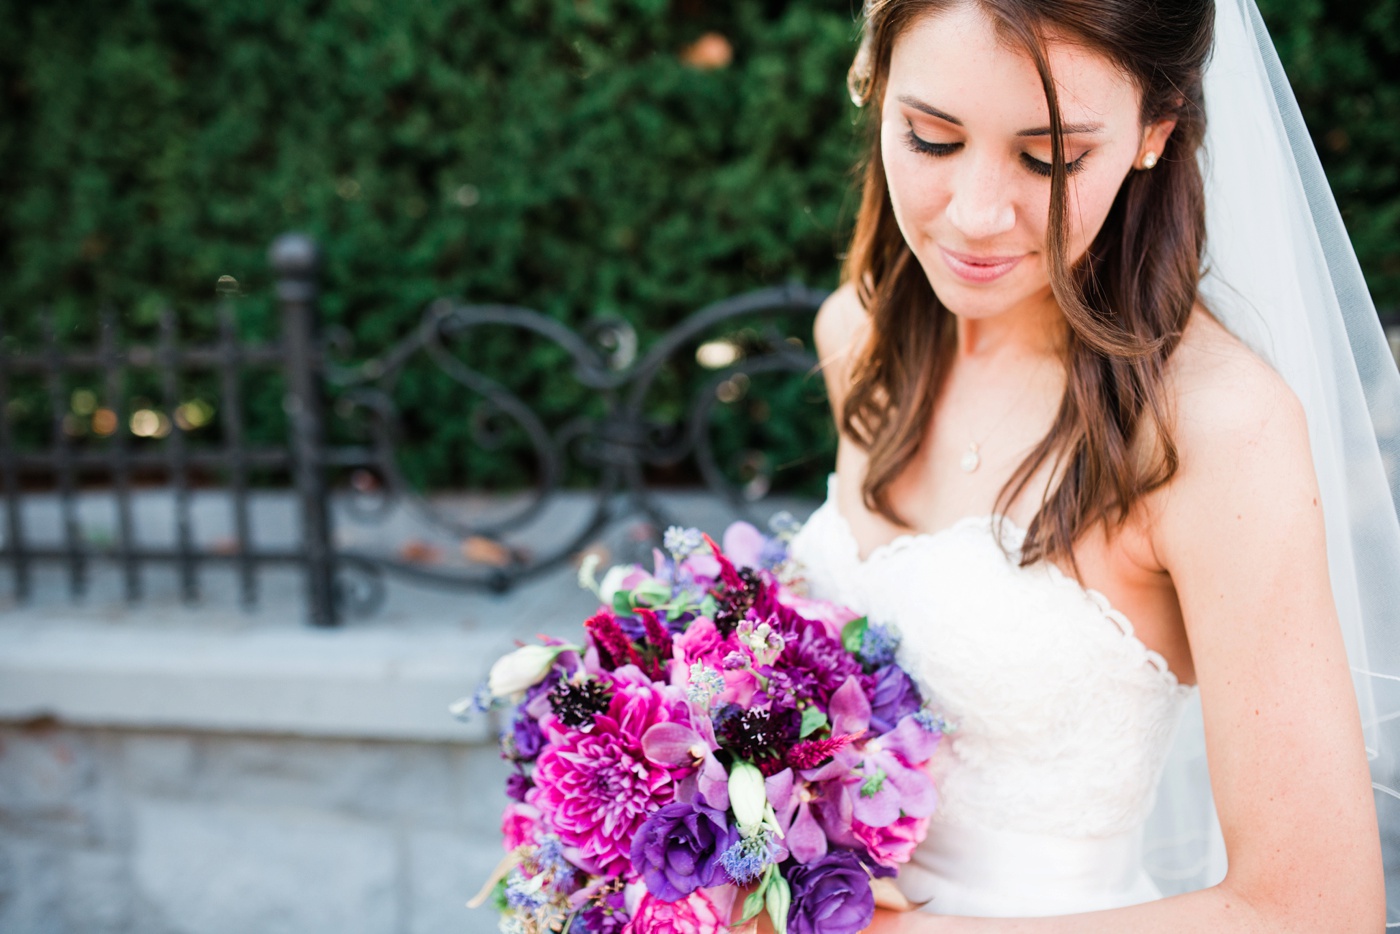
x=1282 y=276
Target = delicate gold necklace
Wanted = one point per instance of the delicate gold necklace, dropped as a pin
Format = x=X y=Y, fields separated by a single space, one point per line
x=971 y=458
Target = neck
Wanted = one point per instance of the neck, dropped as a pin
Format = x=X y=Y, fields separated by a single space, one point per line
x=1034 y=329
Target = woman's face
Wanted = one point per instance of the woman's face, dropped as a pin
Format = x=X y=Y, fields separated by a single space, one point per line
x=966 y=145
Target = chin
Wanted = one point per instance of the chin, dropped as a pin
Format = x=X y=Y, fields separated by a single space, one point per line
x=986 y=300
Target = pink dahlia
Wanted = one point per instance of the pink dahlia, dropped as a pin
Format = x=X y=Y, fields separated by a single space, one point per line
x=695 y=914
x=596 y=788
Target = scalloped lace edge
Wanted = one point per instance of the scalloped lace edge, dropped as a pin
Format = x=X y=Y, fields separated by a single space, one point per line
x=985 y=522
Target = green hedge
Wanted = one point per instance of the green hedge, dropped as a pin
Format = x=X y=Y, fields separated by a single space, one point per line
x=558 y=154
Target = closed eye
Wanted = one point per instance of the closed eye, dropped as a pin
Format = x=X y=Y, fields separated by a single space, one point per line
x=1043 y=169
x=930 y=149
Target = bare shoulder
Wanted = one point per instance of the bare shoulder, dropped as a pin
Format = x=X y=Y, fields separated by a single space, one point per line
x=1241 y=437
x=841 y=322
x=1225 y=398
x=839 y=332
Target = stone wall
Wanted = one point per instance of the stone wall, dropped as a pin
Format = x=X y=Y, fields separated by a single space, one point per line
x=169 y=832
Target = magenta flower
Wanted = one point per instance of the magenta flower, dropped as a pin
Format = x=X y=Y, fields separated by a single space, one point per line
x=520 y=824
x=892 y=844
x=596 y=788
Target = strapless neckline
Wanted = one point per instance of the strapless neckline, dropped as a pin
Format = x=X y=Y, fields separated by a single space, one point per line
x=1011 y=534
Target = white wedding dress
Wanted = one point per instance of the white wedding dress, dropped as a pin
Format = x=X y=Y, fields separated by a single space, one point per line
x=1063 y=718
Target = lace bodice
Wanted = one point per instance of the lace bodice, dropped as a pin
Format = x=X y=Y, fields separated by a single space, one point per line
x=1063 y=717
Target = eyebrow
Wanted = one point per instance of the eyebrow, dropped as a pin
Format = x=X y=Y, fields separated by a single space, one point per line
x=1069 y=129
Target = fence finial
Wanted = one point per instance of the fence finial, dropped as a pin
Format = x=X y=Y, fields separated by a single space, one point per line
x=295 y=259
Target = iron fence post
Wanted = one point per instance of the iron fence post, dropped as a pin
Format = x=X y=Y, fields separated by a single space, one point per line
x=295 y=260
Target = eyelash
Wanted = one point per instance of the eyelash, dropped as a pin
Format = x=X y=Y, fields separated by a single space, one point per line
x=1043 y=169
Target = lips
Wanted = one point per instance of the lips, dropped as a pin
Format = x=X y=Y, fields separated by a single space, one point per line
x=974 y=268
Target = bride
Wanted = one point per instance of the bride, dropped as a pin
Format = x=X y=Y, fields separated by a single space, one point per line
x=1084 y=499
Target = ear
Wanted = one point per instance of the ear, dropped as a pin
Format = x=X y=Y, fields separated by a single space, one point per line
x=1154 y=140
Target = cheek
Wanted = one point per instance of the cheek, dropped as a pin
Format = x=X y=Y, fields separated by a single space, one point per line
x=1088 y=201
x=916 y=184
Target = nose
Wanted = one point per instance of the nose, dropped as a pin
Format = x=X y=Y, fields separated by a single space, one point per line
x=980 y=205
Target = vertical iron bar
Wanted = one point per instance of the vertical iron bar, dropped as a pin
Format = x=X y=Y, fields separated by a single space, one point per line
x=9 y=477
x=295 y=260
x=179 y=468
x=230 y=360
x=63 y=456
x=121 y=468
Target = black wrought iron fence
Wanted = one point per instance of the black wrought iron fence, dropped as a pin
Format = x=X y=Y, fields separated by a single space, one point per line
x=619 y=441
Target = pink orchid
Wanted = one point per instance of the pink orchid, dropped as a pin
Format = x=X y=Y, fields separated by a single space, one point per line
x=743 y=544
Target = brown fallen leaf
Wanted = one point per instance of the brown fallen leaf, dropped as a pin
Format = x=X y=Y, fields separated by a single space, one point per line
x=417 y=551
x=482 y=550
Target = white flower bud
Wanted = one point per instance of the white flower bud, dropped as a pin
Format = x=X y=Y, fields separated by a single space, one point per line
x=524 y=667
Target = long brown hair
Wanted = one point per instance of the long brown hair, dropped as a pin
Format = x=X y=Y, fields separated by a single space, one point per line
x=1126 y=301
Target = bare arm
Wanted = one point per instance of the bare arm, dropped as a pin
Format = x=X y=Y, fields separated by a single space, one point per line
x=1240 y=531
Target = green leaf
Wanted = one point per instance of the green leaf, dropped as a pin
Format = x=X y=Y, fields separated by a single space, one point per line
x=853 y=634
x=812 y=720
x=622 y=602
x=650 y=593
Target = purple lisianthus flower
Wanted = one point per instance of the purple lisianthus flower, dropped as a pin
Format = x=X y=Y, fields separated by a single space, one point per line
x=830 y=895
x=517 y=784
x=895 y=697
x=678 y=849
x=529 y=738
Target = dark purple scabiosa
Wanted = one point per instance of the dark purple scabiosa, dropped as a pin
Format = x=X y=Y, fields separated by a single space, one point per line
x=578 y=703
x=736 y=600
x=762 y=736
x=830 y=895
x=677 y=850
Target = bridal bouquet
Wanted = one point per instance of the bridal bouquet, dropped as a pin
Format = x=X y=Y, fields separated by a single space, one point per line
x=716 y=735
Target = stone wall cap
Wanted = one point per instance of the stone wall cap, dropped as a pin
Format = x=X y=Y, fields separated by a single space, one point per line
x=371 y=682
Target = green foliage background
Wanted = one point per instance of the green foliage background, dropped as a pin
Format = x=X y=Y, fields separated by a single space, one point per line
x=556 y=154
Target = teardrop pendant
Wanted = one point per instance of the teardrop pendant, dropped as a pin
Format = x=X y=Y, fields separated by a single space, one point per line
x=971 y=460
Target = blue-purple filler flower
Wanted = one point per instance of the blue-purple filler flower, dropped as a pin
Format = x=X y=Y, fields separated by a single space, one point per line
x=878 y=645
x=748 y=857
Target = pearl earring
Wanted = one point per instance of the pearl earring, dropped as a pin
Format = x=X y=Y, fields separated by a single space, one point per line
x=1149 y=160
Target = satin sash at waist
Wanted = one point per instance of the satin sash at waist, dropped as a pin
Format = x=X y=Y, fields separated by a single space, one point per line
x=969 y=870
